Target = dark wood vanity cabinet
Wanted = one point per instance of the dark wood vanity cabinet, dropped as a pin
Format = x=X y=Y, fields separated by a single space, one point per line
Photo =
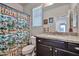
x=73 y=47
x=61 y=52
x=48 y=47
x=44 y=50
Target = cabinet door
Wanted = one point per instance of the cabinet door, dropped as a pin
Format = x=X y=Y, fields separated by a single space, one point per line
x=73 y=47
x=61 y=52
x=44 y=50
x=53 y=42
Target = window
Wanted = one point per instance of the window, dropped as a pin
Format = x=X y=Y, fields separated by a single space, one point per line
x=62 y=27
x=37 y=16
x=61 y=23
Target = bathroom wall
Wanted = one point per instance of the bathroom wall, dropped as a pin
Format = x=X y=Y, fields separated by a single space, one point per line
x=29 y=6
x=55 y=10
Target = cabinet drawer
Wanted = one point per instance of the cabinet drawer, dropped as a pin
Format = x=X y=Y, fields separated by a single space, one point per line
x=73 y=47
x=61 y=52
x=44 y=50
x=54 y=43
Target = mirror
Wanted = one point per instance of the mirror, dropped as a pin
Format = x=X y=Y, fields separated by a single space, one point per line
x=67 y=23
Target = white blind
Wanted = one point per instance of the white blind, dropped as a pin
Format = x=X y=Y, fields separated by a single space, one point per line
x=37 y=16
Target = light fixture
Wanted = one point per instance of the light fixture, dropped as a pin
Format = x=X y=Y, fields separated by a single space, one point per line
x=48 y=4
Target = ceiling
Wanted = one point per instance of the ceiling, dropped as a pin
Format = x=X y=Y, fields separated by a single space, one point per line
x=23 y=4
x=30 y=4
x=55 y=5
x=38 y=4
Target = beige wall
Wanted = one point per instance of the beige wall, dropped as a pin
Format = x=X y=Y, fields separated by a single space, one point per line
x=28 y=7
x=36 y=30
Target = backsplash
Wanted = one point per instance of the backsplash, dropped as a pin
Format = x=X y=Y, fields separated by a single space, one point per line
x=62 y=33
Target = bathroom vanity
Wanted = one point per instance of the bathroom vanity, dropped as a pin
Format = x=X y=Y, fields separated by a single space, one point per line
x=57 y=45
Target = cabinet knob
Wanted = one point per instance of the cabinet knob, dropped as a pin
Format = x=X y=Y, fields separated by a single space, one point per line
x=50 y=49
x=55 y=50
x=77 y=48
x=39 y=40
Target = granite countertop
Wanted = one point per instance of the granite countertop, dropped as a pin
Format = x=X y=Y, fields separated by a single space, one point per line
x=66 y=38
